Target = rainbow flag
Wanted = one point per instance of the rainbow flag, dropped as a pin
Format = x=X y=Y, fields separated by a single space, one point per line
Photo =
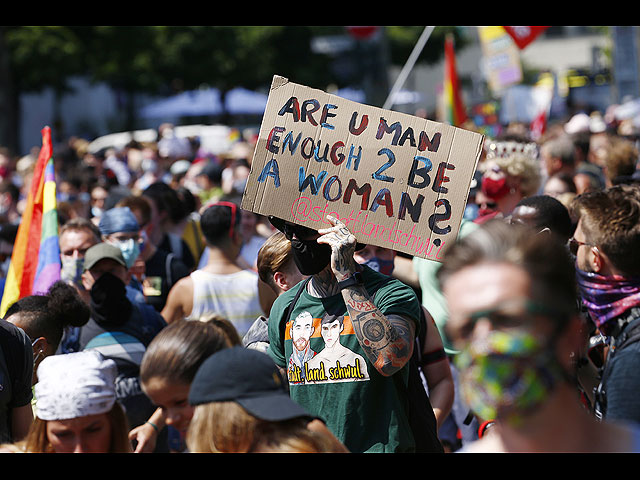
x=454 y=109
x=35 y=261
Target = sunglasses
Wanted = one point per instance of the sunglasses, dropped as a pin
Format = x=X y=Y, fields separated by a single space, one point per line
x=513 y=314
x=574 y=245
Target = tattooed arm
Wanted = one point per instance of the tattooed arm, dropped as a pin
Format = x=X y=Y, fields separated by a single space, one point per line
x=387 y=340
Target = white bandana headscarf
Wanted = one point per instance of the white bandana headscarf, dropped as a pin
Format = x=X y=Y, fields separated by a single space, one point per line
x=74 y=385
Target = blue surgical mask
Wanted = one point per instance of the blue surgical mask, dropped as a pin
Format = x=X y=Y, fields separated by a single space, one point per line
x=96 y=211
x=130 y=250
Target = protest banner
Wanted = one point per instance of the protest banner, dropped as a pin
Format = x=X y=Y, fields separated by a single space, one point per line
x=501 y=58
x=395 y=180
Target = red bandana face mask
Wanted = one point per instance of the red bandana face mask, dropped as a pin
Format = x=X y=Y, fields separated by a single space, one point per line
x=495 y=189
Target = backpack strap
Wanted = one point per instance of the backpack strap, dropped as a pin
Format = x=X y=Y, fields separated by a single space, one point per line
x=175 y=242
x=628 y=336
x=167 y=266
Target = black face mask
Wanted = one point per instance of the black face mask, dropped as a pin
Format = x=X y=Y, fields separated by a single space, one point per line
x=310 y=256
x=109 y=302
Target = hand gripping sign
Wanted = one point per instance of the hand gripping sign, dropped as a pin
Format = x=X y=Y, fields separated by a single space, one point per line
x=395 y=180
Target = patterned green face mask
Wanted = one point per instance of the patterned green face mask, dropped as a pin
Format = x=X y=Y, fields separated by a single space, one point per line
x=507 y=375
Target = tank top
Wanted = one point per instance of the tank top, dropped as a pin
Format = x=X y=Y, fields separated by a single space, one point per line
x=232 y=296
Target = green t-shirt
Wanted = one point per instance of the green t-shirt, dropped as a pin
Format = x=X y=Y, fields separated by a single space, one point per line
x=332 y=378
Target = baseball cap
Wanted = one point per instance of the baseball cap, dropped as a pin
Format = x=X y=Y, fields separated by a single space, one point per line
x=102 y=251
x=248 y=377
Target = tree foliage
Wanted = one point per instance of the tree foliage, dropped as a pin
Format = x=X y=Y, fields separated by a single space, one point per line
x=157 y=59
x=167 y=59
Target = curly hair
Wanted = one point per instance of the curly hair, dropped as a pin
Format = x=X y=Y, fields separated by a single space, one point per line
x=48 y=315
x=524 y=167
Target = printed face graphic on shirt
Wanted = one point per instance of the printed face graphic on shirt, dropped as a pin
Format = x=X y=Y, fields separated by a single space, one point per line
x=333 y=362
x=331 y=332
x=301 y=331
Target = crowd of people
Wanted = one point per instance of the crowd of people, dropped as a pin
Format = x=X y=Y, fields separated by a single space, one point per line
x=183 y=323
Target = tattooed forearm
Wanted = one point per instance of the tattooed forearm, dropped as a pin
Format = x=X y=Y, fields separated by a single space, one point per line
x=323 y=285
x=387 y=341
x=362 y=306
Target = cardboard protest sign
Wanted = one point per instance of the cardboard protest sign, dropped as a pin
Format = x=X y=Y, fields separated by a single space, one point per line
x=395 y=180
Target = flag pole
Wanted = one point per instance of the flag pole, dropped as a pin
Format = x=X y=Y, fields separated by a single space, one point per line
x=408 y=66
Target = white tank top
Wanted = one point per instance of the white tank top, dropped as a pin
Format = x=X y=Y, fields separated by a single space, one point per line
x=232 y=296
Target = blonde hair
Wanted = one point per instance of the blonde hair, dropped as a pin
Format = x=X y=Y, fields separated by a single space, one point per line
x=226 y=427
x=221 y=427
x=291 y=438
x=524 y=167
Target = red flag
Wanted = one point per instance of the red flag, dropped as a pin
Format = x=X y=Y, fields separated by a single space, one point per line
x=523 y=36
x=538 y=125
x=362 y=33
x=455 y=110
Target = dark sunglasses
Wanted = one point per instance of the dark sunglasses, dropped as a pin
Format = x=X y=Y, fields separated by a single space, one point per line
x=574 y=245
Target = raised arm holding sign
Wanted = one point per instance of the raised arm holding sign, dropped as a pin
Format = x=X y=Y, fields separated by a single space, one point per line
x=387 y=340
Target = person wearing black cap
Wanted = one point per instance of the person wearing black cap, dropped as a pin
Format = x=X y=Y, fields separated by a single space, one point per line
x=380 y=317
x=244 y=387
x=105 y=277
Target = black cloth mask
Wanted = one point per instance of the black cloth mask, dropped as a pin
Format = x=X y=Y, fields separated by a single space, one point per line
x=109 y=302
x=310 y=256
